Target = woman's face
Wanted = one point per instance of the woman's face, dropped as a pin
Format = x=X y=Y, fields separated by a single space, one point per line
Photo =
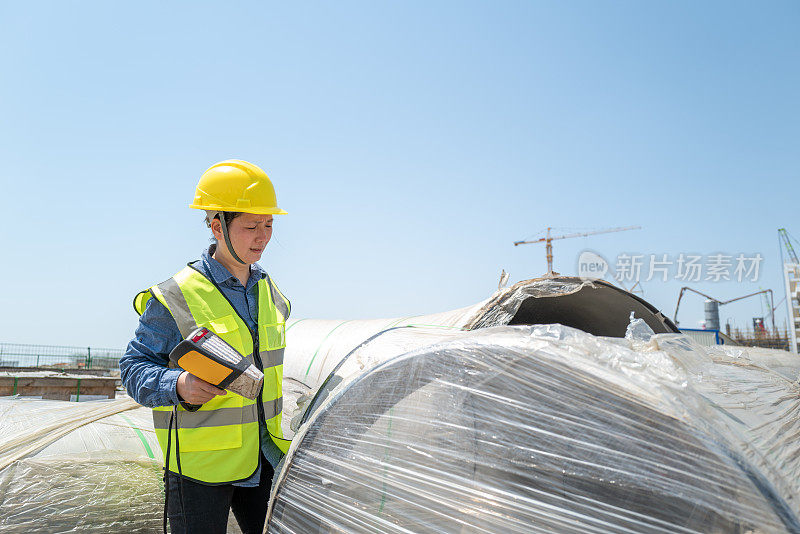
x=249 y=235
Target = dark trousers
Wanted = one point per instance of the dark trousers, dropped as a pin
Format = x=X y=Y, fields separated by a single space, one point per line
x=207 y=507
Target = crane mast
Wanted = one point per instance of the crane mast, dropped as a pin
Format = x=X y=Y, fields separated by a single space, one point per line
x=788 y=245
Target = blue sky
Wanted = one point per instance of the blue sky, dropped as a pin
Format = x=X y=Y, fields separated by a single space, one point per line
x=411 y=142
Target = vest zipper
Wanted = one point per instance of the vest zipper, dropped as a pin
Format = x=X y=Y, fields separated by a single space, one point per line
x=262 y=420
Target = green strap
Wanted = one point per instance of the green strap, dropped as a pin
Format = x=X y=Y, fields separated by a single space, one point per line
x=78 y=395
x=398 y=321
x=323 y=341
x=294 y=323
x=146 y=445
x=16 y=378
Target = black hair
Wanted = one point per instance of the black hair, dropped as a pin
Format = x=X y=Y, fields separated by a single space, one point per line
x=229 y=216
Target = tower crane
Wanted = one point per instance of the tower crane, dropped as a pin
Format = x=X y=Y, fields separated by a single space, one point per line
x=787 y=243
x=548 y=239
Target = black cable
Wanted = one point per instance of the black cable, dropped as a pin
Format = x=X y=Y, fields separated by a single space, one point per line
x=166 y=472
x=173 y=416
x=178 y=459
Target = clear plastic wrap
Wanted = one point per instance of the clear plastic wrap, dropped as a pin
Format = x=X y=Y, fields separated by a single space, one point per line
x=315 y=346
x=78 y=467
x=505 y=303
x=543 y=429
x=594 y=306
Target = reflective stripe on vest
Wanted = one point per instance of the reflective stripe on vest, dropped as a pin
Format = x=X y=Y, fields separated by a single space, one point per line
x=186 y=324
x=177 y=306
x=220 y=442
x=220 y=416
x=280 y=301
x=271 y=358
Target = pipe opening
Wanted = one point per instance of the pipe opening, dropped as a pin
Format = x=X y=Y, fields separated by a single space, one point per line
x=598 y=308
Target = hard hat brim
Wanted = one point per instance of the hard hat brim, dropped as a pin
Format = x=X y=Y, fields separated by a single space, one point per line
x=255 y=211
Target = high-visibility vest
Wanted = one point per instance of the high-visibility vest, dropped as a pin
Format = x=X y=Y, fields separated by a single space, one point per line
x=219 y=443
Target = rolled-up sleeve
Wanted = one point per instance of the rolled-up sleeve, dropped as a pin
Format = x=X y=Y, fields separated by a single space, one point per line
x=143 y=368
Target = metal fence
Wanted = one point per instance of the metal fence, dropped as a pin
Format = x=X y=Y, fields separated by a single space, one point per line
x=58 y=356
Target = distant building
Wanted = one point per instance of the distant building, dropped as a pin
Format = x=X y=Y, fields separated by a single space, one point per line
x=791 y=276
x=708 y=337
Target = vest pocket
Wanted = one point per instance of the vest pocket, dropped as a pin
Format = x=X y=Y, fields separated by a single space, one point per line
x=217 y=428
x=223 y=325
x=274 y=335
x=211 y=438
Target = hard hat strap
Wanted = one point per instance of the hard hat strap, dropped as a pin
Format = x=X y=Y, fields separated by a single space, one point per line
x=228 y=239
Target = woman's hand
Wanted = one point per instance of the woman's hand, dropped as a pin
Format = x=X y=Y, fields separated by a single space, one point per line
x=195 y=390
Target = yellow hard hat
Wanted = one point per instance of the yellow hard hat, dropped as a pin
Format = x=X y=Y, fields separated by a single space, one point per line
x=236 y=185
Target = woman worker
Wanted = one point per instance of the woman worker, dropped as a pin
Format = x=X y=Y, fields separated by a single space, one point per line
x=224 y=446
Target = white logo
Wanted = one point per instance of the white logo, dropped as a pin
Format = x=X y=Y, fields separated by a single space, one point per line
x=592 y=265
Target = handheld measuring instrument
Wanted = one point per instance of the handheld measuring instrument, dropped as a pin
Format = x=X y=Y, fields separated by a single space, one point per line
x=207 y=356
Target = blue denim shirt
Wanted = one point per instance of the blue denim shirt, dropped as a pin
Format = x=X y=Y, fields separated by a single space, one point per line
x=144 y=369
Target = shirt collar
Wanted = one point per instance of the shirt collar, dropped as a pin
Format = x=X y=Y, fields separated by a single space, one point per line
x=220 y=274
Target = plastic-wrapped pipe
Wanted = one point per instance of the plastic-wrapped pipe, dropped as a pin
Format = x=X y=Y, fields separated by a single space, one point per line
x=456 y=423
x=78 y=467
x=315 y=347
x=544 y=429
